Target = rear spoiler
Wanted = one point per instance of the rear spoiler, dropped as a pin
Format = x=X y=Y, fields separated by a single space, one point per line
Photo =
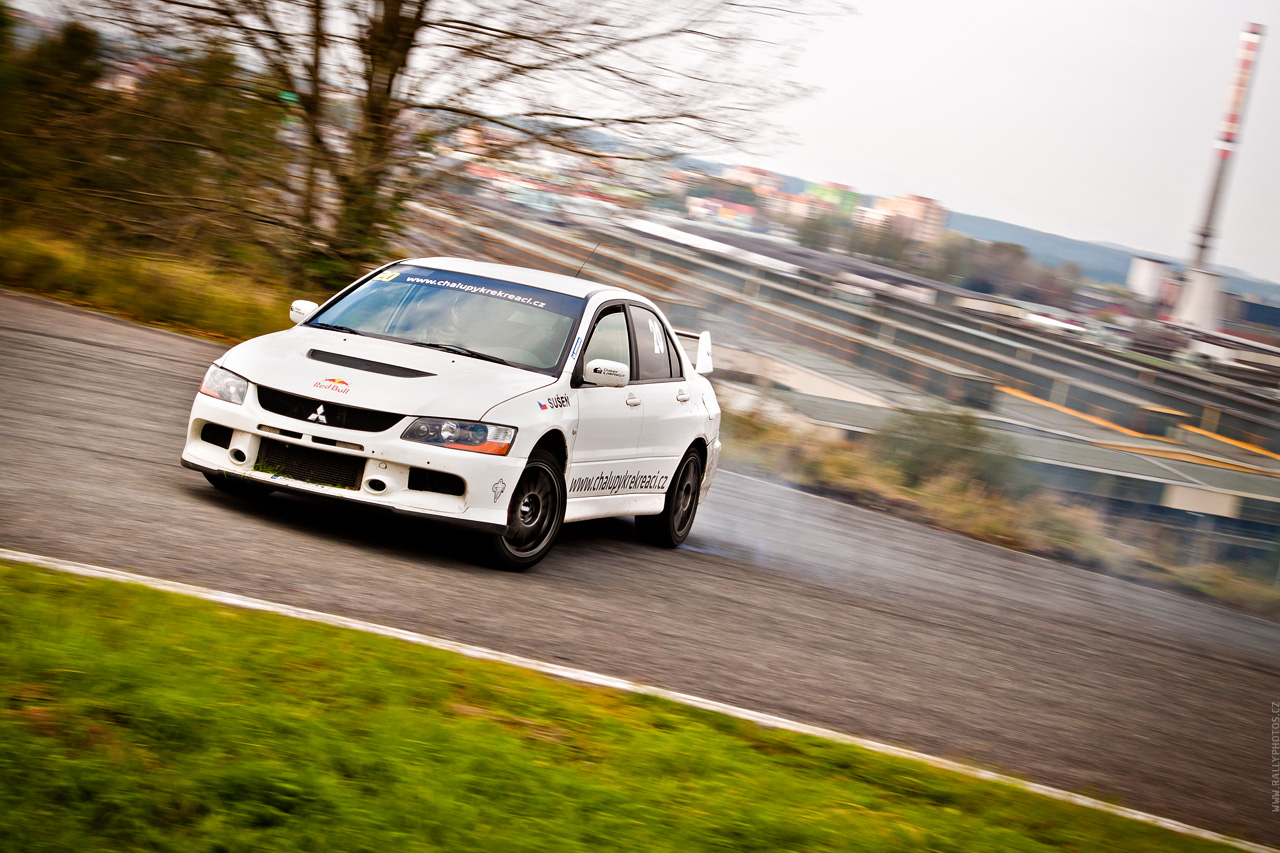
x=702 y=363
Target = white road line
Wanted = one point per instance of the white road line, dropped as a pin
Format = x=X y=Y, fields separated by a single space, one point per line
x=596 y=679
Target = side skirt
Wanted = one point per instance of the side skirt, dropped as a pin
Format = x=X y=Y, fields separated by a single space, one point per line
x=608 y=506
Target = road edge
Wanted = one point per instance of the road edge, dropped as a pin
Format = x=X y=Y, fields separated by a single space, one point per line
x=595 y=679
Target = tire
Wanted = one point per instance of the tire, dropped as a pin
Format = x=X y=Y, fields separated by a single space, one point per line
x=234 y=484
x=669 y=528
x=534 y=516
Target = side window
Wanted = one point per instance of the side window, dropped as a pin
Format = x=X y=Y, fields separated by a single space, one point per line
x=655 y=355
x=609 y=339
x=677 y=369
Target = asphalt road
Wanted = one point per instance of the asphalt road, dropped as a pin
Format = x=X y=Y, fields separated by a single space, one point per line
x=781 y=602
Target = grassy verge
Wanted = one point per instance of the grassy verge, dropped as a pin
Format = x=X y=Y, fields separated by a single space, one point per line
x=175 y=293
x=135 y=719
x=1035 y=522
x=948 y=497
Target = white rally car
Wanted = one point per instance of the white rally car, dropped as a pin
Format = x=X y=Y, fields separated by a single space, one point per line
x=503 y=399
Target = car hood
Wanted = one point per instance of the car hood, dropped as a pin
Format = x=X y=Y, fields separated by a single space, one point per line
x=459 y=387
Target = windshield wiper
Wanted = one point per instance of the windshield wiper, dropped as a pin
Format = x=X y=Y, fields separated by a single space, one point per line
x=461 y=350
x=334 y=328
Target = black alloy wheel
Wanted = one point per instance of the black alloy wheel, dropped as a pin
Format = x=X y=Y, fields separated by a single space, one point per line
x=534 y=516
x=671 y=527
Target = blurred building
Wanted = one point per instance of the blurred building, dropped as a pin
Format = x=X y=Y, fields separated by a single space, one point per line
x=919 y=218
x=1199 y=303
x=680 y=181
x=722 y=212
x=486 y=141
x=798 y=206
x=872 y=219
x=757 y=179
x=1148 y=278
x=834 y=198
x=1251 y=317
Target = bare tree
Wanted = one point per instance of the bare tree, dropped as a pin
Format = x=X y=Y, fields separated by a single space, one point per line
x=152 y=162
x=657 y=78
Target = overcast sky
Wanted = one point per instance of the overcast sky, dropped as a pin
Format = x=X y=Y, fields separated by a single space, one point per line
x=1094 y=119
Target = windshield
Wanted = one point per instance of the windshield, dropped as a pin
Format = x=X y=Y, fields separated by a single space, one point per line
x=498 y=320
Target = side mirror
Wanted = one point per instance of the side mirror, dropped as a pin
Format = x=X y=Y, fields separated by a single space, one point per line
x=301 y=309
x=611 y=374
x=703 y=364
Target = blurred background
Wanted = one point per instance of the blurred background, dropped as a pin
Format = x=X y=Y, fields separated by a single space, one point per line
x=998 y=269
x=200 y=164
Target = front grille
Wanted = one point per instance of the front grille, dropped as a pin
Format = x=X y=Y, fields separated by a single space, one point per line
x=308 y=465
x=333 y=414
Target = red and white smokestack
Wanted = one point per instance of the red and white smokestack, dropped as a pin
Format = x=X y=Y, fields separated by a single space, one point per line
x=1246 y=56
x=1246 y=59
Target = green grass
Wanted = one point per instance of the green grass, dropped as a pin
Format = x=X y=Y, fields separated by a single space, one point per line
x=182 y=294
x=140 y=720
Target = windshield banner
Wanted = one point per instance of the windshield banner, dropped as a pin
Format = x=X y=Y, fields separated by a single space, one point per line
x=569 y=306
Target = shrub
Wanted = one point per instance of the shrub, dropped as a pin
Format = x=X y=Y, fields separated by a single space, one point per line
x=926 y=444
x=1069 y=531
x=960 y=503
x=162 y=291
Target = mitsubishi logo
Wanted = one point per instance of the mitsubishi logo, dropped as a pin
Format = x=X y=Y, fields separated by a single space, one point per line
x=318 y=415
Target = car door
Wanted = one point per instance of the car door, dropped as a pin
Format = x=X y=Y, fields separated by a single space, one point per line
x=609 y=419
x=671 y=415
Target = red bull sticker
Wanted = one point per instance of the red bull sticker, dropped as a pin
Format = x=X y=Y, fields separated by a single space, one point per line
x=341 y=386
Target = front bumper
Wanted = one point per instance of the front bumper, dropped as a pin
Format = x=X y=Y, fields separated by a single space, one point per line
x=387 y=460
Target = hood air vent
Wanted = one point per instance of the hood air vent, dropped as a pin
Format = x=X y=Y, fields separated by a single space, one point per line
x=366 y=365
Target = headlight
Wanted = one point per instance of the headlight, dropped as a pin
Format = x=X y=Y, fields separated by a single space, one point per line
x=224 y=385
x=461 y=435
